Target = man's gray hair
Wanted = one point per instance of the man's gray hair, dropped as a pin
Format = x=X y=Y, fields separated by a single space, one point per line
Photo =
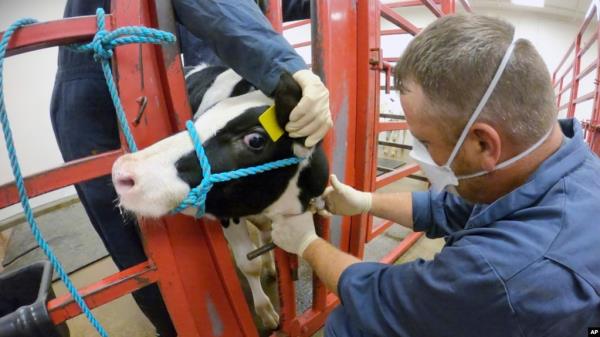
x=454 y=60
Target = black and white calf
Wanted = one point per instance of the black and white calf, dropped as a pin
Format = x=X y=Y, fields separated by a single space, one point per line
x=153 y=181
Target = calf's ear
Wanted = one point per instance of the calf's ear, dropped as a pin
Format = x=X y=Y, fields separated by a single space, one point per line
x=287 y=94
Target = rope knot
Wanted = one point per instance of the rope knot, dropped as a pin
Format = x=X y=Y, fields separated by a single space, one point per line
x=102 y=49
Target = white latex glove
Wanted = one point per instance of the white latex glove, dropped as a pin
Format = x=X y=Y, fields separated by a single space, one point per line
x=342 y=199
x=311 y=118
x=294 y=233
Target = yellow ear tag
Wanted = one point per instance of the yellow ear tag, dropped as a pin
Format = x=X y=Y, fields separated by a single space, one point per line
x=269 y=122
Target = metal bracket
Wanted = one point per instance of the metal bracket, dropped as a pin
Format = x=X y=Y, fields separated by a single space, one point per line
x=375 y=58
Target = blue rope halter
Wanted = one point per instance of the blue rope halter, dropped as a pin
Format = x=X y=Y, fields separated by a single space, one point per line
x=197 y=195
x=102 y=45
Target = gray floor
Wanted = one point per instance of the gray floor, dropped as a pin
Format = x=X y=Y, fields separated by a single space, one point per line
x=68 y=232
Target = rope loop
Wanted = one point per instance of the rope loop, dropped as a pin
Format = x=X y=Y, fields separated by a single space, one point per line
x=197 y=195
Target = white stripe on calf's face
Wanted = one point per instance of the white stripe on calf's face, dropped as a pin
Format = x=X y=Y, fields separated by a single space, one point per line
x=221 y=88
x=209 y=123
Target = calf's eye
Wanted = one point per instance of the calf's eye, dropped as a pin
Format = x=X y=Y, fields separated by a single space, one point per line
x=255 y=140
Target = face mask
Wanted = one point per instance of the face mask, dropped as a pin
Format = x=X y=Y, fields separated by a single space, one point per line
x=442 y=177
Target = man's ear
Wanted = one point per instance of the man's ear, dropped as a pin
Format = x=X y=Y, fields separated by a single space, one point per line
x=489 y=145
x=287 y=94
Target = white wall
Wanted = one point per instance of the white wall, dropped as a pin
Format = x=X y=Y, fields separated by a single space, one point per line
x=29 y=77
x=28 y=81
x=549 y=35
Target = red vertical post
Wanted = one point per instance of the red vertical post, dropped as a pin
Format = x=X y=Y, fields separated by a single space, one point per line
x=593 y=136
x=195 y=271
x=334 y=60
x=559 y=95
x=286 y=263
x=367 y=105
x=574 y=79
x=275 y=14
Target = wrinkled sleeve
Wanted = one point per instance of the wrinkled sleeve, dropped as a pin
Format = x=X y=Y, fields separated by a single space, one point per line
x=440 y=214
x=456 y=294
x=242 y=38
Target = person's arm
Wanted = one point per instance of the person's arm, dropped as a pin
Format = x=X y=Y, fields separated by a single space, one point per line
x=456 y=294
x=296 y=234
x=245 y=41
x=450 y=296
x=439 y=215
x=331 y=268
x=393 y=206
x=436 y=214
x=242 y=38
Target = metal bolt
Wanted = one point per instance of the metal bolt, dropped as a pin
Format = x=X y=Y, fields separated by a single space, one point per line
x=142 y=101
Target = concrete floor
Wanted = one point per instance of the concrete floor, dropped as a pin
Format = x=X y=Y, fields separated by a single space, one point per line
x=123 y=318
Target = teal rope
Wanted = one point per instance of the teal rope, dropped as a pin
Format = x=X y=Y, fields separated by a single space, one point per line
x=103 y=44
x=197 y=195
x=14 y=163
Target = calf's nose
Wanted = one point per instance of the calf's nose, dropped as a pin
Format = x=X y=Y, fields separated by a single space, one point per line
x=122 y=178
x=123 y=181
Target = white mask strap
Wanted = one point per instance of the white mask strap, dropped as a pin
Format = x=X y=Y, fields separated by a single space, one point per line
x=511 y=160
x=483 y=100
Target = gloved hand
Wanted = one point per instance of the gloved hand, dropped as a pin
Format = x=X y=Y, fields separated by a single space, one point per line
x=311 y=118
x=294 y=233
x=342 y=199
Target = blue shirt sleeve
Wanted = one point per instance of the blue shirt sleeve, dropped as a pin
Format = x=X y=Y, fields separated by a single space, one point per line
x=440 y=214
x=242 y=38
x=456 y=294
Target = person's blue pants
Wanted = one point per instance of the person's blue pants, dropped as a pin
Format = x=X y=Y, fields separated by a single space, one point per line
x=84 y=123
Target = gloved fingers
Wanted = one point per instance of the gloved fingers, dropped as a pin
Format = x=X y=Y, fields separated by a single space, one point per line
x=316 y=136
x=315 y=96
x=305 y=76
x=309 y=128
x=336 y=183
x=330 y=195
x=324 y=212
x=327 y=191
x=302 y=118
x=330 y=206
x=313 y=208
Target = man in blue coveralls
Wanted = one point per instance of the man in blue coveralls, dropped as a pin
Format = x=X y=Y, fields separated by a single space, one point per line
x=230 y=32
x=515 y=193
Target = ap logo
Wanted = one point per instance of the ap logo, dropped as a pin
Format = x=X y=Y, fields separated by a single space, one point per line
x=593 y=332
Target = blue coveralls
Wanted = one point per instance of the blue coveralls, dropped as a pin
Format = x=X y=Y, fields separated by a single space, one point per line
x=526 y=265
x=83 y=116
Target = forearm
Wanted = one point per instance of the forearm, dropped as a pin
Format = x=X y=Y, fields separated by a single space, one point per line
x=242 y=37
x=328 y=262
x=393 y=206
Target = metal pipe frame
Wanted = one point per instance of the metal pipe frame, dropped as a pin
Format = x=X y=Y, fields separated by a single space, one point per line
x=571 y=64
x=189 y=259
x=354 y=83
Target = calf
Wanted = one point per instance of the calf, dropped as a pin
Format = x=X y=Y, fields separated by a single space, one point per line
x=153 y=181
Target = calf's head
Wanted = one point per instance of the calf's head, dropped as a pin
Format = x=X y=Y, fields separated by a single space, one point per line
x=153 y=181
